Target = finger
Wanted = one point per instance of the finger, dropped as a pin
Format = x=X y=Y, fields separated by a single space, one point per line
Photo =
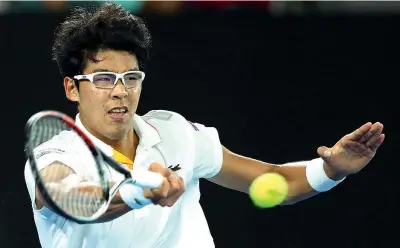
x=378 y=142
x=170 y=201
x=156 y=167
x=148 y=193
x=181 y=188
x=358 y=148
x=174 y=182
x=357 y=134
x=152 y=195
x=324 y=152
x=181 y=184
x=165 y=189
x=166 y=202
x=162 y=192
x=159 y=168
x=167 y=172
x=379 y=128
x=371 y=132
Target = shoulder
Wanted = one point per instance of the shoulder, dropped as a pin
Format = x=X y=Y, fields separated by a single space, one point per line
x=55 y=148
x=166 y=117
x=170 y=123
x=58 y=144
x=163 y=115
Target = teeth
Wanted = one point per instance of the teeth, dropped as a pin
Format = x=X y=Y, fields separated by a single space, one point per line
x=118 y=110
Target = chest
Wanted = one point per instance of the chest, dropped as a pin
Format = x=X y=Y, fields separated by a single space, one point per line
x=177 y=160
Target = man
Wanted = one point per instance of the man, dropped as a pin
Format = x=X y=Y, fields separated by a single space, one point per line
x=100 y=54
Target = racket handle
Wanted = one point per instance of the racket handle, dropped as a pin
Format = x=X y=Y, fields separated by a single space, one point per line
x=147 y=179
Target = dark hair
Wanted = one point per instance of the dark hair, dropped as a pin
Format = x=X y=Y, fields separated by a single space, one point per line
x=86 y=31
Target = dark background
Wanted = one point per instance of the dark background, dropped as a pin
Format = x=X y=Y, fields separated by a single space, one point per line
x=276 y=88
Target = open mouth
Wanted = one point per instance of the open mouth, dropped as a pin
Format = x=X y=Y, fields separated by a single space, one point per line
x=118 y=113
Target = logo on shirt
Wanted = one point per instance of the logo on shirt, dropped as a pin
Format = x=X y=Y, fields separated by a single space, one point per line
x=174 y=168
x=43 y=152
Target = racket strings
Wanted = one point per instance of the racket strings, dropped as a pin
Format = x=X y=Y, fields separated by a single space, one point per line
x=73 y=202
x=46 y=129
x=75 y=195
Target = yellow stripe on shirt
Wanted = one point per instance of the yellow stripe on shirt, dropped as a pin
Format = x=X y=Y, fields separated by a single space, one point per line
x=121 y=158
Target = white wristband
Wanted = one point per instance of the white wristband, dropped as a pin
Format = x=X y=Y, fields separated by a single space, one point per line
x=133 y=196
x=317 y=177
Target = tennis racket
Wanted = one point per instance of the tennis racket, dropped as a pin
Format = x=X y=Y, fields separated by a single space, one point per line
x=81 y=198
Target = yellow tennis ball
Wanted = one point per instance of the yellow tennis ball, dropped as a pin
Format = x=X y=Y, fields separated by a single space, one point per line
x=268 y=190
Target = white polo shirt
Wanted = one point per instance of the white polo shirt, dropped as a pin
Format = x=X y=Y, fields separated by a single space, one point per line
x=165 y=137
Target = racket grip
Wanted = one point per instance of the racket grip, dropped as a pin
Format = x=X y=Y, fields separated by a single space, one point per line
x=147 y=179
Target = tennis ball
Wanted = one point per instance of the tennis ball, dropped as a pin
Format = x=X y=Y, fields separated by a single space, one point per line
x=268 y=190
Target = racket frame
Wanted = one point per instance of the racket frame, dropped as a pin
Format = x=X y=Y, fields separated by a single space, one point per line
x=100 y=158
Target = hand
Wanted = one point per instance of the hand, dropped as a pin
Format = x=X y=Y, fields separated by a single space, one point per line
x=171 y=189
x=354 y=151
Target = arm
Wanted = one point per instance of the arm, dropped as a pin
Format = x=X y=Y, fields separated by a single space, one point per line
x=348 y=156
x=238 y=172
x=65 y=178
x=58 y=172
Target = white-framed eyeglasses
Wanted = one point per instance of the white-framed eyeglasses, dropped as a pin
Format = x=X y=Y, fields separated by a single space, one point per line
x=107 y=80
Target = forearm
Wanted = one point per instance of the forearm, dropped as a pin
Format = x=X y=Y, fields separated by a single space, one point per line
x=128 y=197
x=239 y=178
x=239 y=172
x=299 y=188
x=61 y=194
x=116 y=209
x=63 y=186
x=299 y=185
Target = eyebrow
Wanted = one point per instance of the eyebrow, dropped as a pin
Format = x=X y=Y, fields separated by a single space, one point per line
x=106 y=70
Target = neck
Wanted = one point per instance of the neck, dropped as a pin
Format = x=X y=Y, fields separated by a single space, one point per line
x=131 y=140
x=127 y=145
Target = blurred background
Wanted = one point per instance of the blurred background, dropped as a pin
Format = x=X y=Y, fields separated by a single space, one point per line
x=277 y=79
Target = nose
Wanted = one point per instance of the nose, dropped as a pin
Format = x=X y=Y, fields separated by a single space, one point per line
x=119 y=91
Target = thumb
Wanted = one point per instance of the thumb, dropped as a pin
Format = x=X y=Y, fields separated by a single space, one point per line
x=156 y=167
x=324 y=152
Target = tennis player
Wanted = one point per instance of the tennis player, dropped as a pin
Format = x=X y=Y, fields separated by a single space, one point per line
x=101 y=54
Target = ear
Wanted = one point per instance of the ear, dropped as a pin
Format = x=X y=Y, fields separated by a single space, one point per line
x=71 y=91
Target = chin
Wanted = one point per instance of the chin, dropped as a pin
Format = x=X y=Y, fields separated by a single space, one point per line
x=117 y=134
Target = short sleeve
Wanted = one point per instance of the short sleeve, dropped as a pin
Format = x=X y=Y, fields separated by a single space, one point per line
x=30 y=181
x=70 y=152
x=76 y=157
x=203 y=144
x=44 y=158
x=31 y=185
x=208 y=151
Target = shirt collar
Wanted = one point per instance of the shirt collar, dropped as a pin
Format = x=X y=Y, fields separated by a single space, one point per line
x=148 y=135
